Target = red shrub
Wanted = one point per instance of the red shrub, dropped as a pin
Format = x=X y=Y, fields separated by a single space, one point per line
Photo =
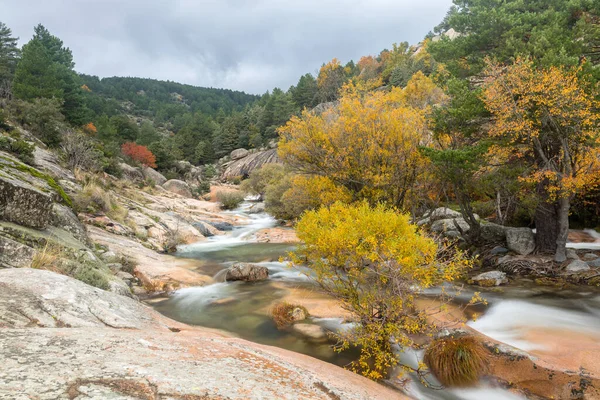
x=139 y=153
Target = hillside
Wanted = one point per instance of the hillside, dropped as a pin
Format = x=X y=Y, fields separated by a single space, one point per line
x=162 y=101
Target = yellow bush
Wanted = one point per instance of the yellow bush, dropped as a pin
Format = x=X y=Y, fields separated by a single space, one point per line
x=374 y=261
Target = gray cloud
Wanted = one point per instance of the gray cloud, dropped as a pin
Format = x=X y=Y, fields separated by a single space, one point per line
x=251 y=45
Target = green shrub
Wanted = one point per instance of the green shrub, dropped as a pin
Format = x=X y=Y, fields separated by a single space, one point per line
x=230 y=199
x=88 y=274
x=209 y=172
x=43 y=117
x=259 y=179
x=22 y=149
x=201 y=189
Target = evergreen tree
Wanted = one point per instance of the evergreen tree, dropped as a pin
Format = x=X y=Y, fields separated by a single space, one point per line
x=46 y=71
x=9 y=56
x=305 y=93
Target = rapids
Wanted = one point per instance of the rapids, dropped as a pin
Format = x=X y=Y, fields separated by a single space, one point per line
x=242 y=308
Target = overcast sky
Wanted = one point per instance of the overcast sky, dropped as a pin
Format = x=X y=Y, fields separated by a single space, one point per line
x=250 y=45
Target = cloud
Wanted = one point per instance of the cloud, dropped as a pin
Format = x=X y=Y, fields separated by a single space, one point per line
x=251 y=45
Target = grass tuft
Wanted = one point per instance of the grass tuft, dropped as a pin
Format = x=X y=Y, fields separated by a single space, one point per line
x=283 y=314
x=456 y=361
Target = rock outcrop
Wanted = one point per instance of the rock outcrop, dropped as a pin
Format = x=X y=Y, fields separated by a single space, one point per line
x=61 y=339
x=246 y=272
x=244 y=166
x=24 y=204
x=178 y=187
x=238 y=154
x=133 y=174
x=154 y=175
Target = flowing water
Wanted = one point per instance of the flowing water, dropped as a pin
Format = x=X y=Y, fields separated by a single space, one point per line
x=242 y=308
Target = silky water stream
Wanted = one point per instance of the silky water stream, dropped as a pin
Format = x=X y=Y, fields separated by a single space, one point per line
x=243 y=308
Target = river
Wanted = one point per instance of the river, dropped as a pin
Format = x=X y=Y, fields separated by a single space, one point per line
x=513 y=312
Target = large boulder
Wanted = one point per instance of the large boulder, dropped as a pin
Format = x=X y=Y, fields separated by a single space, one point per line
x=179 y=187
x=246 y=272
x=14 y=254
x=493 y=233
x=183 y=166
x=133 y=174
x=443 y=213
x=157 y=177
x=311 y=331
x=491 y=278
x=447 y=225
x=244 y=166
x=520 y=240
x=239 y=154
x=24 y=204
x=64 y=218
x=578 y=266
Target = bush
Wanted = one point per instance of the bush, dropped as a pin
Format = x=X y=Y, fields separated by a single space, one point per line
x=18 y=147
x=230 y=199
x=209 y=172
x=374 y=261
x=86 y=273
x=283 y=314
x=42 y=117
x=202 y=188
x=81 y=151
x=261 y=178
x=456 y=361
x=138 y=153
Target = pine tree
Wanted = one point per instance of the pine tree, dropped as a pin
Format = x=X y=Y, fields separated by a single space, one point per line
x=9 y=56
x=46 y=71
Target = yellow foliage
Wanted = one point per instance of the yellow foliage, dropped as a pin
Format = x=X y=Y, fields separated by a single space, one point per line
x=421 y=92
x=368 y=144
x=373 y=260
x=312 y=192
x=547 y=115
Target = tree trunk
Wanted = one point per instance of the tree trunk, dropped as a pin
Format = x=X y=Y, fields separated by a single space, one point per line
x=546 y=221
x=563 y=229
x=464 y=201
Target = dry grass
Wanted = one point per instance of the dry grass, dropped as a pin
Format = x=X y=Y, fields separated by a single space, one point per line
x=456 y=361
x=47 y=258
x=94 y=198
x=283 y=314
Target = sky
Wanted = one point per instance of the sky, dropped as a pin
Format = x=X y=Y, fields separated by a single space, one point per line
x=249 y=45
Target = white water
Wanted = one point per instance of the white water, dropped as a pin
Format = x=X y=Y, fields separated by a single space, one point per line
x=587 y=246
x=238 y=236
x=508 y=321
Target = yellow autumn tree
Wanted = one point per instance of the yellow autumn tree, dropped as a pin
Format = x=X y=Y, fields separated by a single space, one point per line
x=368 y=144
x=330 y=80
x=375 y=262
x=547 y=116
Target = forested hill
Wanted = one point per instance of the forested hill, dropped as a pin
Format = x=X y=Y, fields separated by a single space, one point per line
x=161 y=101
